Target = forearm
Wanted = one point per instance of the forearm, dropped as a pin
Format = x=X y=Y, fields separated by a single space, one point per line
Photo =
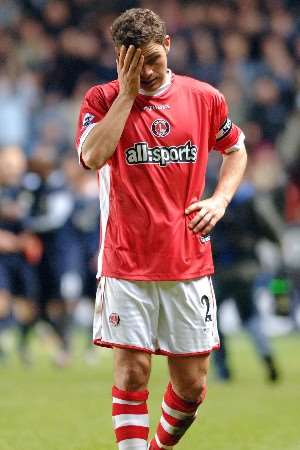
x=231 y=174
x=103 y=139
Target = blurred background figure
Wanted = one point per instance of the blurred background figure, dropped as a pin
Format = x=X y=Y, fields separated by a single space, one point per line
x=19 y=251
x=51 y=52
x=50 y=219
x=237 y=269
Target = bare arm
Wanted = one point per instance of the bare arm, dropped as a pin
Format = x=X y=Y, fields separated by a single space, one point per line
x=212 y=209
x=103 y=139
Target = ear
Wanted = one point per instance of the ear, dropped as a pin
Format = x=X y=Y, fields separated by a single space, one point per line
x=167 y=43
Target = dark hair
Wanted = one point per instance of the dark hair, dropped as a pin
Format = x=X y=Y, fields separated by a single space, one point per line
x=138 y=27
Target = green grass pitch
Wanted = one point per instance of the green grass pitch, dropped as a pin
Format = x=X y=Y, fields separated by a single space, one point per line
x=45 y=408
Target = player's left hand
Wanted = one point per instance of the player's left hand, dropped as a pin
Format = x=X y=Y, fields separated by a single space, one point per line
x=206 y=214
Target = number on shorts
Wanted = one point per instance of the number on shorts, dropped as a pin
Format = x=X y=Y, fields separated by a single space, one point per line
x=205 y=302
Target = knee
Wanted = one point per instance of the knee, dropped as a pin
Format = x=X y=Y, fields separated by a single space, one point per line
x=25 y=311
x=55 y=310
x=132 y=376
x=4 y=304
x=193 y=391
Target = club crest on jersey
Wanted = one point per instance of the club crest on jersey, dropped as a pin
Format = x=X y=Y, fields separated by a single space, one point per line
x=160 y=127
x=141 y=153
x=88 y=119
x=114 y=319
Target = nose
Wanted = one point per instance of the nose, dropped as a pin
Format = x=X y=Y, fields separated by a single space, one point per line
x=146 y=71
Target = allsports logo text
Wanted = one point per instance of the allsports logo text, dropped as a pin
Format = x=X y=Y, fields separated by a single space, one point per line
x=141 y=153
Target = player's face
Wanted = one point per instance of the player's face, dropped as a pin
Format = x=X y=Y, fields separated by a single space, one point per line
x=154 y=69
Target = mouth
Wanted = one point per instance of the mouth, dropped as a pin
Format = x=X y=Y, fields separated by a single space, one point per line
x=149 y=83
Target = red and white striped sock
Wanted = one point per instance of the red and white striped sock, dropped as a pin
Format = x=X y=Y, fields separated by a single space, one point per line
x=177 y=417
x=130 y=419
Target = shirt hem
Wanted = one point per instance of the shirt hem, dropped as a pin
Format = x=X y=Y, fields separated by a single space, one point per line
x=158 y=277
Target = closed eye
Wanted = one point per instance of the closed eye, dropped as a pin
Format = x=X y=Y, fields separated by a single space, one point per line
x=152 y=60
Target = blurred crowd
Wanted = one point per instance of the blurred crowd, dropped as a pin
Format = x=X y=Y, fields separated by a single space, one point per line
x=51 y=52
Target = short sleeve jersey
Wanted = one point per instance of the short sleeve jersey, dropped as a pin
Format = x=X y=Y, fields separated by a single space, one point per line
x=157 y=170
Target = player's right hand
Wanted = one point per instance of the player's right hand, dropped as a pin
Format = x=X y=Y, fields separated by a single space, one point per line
x=129 y=65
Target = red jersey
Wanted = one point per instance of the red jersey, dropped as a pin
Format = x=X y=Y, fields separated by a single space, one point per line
x=156 y=172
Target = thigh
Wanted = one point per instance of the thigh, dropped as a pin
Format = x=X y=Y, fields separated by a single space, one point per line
x=126 y=314
x=26 y=280
x=5 y=275
x=187 y=319
x=244 y=300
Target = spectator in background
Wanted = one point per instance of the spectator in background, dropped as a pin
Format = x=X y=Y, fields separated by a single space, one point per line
x=18 y=251
x=14 y=111
x=236 y=58
x=291 y=238
x=288 y=142
x=206 y=62
x=266 y=108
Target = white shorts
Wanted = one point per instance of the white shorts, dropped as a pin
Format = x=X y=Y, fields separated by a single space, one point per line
x=163 y=317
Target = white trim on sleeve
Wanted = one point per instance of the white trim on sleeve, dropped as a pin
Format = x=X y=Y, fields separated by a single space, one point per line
x=83 y=138
x=238 y=146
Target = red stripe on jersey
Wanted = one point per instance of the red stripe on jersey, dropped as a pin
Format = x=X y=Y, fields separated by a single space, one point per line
x=118 y=408
x=131 y=432
x=134 y=396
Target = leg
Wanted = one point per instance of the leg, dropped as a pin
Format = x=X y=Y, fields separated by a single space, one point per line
x=188 y=376
x=59 y=319
x=25 y=312
x=252 y=323
x=223 y=289
x=262 y=346
x=130 y=414
x=5 y=308
x=221 y=359
x=184 y=394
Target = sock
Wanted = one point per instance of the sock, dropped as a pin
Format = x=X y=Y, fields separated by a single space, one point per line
x=130 y=419
x=61 y=326
x=22 y=343
x=273 y=374
x=24 y=332
x=177 y=416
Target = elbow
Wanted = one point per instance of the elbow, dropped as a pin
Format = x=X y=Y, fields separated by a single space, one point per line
x=90 y=160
